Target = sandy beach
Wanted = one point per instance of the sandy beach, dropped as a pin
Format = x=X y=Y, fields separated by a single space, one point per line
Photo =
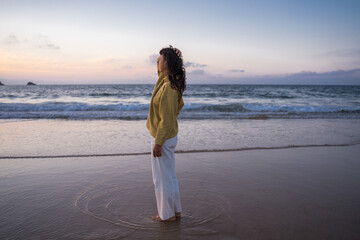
x=300 y=193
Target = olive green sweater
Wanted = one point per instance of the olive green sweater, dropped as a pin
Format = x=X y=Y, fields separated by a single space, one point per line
x=165 y=106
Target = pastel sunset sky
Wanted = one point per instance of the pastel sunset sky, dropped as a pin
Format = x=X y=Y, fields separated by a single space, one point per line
x=267 y=42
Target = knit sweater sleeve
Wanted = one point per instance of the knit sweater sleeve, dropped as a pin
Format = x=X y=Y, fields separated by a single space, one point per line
x=168 y=106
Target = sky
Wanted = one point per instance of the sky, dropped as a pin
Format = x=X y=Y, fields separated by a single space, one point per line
x=232 y=42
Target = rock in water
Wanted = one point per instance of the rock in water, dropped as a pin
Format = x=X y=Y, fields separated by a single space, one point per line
x=1 y=84
x=31 y=83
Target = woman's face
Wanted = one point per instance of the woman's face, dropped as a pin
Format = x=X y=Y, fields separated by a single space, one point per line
x=162 y=64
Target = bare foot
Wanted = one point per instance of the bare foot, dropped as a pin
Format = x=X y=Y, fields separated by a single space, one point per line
x=178 y=214
x=157 y=218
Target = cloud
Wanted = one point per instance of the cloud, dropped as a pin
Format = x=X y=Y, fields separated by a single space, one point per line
x=48 y=46
x=153 y=58
x=197 y=72
x=302 y=74
x=337 y=77
x=352 y=73
x=195 y=65
x=343 y=53
x=237 y=70
x=113 y=60
x=39 y=40
x=42 y=41
x=11 y=39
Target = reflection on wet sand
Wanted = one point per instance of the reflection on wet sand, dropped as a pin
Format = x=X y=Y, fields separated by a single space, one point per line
x=131 y=206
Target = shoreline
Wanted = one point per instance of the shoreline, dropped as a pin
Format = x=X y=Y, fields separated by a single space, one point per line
x=183 y=151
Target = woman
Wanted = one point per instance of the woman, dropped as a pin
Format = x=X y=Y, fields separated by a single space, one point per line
x=165 y=106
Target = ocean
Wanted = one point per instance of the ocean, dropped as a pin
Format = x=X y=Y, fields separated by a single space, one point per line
x=131 y=102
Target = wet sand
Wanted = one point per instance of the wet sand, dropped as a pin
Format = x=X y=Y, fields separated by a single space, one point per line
x=295 y=193
x=46 y=137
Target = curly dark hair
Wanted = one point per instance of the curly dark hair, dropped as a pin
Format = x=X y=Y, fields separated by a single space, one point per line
x=177 y=75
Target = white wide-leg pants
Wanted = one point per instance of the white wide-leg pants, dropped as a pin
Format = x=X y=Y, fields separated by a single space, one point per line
x=166 y=184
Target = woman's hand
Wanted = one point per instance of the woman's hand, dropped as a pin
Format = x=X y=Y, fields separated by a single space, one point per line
x=157 y=150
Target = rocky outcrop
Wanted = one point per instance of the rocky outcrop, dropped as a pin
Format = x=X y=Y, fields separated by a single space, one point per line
x=30 y=83
x=1 y=84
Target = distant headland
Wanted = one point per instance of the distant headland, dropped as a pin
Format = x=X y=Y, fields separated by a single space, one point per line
x=29 y=84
